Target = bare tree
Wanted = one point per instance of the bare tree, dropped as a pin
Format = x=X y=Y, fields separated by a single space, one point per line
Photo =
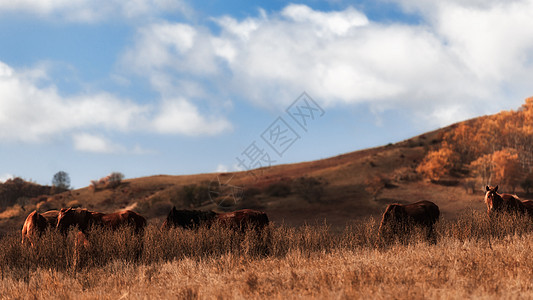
x=61 y=180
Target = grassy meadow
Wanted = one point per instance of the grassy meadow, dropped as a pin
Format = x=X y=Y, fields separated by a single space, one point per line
x=473 y=258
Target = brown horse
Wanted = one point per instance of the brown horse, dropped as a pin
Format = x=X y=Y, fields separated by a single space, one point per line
x=399 y=219
x=497 y=203
x=124 y=218
x=84 y=219
x=239 y=220
x=244 y=219
x=188 y=218
x=37 y=223
x=80 y=217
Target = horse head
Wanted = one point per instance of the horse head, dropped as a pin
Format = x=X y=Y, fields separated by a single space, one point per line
x=493 y=200
x=71 y=217
x=394 y=214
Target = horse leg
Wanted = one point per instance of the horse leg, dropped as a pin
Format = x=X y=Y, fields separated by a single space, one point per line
x=432 y=235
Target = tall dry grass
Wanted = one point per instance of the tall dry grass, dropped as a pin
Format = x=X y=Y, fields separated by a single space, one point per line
x=474 y=257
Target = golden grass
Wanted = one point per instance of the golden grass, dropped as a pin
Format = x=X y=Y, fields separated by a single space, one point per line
x=474 y=258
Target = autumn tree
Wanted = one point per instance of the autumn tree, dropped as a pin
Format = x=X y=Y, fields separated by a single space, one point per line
x=507 y=168
x=461 y=141
x=437 y=163
x=309 y=188
x=482 y=167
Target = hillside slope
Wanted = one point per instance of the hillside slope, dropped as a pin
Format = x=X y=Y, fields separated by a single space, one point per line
x=448 y=166
x=336 y=189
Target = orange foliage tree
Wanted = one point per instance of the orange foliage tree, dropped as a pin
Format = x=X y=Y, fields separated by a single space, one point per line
x=437 y=163
x=476 y=141
x=482 y=167
x=507 y=167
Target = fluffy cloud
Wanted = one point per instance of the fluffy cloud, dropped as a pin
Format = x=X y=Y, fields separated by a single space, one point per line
x=96 y=144
x=93 y=10
x=180 y=116
x=31 y=111
x=34 y=114
x=463 y=55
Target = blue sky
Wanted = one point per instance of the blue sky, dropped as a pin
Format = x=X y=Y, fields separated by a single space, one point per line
x=152 y=87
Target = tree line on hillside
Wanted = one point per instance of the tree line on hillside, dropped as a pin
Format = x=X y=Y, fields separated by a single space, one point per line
x=19 y=191
x=495 y=149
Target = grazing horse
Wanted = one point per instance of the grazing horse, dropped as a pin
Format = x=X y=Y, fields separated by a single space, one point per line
x=84 y=219
x=399 y=219
x=497 y=203
x=188 y=219
x=37 y=223
x=244 y=219
x=241 y=219
x=124 y=217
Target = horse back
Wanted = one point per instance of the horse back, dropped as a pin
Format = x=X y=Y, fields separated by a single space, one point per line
x=244 y=217
x=35 y=224
x=513 y=204
x=124 y=218
x=528 y=204
x=425 y=212
x=51 y=217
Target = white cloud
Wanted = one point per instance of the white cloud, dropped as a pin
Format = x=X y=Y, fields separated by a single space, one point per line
x=139 y=150
x=465 y=55
x=338 y=23
x=31 y=112
x=97 y=144
x=179 y=116
x=94 y=10
x=5 y=177
x=34 y=114
x=221 y=168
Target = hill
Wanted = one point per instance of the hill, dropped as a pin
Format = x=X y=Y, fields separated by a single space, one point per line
x=438 y=166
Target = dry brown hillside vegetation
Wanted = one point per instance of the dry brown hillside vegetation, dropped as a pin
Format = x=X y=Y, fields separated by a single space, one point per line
x=473 y=258
x=449 y=166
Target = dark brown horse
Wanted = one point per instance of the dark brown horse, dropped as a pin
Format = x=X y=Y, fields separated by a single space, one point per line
x=37 y=223
x=399 y=219
x=188 y=218
x=497 y=203
x=241 y=219
x=81 y=217
x=84 y=219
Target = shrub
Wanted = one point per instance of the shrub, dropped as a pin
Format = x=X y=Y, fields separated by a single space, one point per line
x=114 y=179
x=110 y=181
x=194 y=195
x=309 y=188
x=374 y=186
x=279 y=189
x=406 y=174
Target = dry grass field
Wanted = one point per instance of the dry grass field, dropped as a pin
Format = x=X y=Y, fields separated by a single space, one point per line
x=473 y=258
